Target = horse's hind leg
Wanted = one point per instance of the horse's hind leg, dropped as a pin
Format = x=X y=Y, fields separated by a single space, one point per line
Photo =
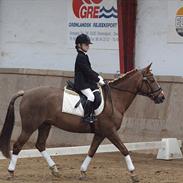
x=97 y=140
x=23 y=138
x=43 y=132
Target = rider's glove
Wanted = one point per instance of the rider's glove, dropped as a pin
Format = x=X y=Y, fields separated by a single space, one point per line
x=101 y=81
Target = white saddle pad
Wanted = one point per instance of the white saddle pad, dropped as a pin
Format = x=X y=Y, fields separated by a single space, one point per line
x=70 y=99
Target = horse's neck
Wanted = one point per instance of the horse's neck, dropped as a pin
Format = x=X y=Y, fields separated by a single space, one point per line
x=123 y=100
x=126 y=94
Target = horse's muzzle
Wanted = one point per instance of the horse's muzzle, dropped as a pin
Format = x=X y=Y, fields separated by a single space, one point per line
x=160 y=98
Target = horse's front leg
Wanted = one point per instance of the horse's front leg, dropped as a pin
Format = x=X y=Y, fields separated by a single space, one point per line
x=97 y=140
x=115 y=139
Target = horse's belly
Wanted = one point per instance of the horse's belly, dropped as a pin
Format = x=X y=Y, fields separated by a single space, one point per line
x=71 y=123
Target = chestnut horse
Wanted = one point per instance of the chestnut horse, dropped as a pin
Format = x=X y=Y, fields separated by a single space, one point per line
x=40 y=108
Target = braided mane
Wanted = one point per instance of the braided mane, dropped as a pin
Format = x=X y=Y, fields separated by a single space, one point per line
x=123 y=77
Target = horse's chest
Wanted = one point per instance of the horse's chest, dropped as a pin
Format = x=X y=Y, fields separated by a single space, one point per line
x=111 y=123
x=117 y=123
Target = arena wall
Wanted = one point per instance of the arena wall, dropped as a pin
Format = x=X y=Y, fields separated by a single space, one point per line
x=143 y=121
x=155 y=19
x=35 y=34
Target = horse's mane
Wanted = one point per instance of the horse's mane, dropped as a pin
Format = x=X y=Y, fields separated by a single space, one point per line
x=123 y=77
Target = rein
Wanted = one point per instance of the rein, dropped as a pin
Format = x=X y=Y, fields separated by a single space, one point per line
x=124 y=90
x=144 y=80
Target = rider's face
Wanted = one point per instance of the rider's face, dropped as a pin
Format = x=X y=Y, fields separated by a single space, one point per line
x=85 y=47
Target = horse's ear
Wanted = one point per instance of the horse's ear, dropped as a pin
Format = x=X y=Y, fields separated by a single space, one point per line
x=148 y=68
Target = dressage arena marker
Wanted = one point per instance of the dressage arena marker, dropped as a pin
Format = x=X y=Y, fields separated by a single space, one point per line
x=169 y=148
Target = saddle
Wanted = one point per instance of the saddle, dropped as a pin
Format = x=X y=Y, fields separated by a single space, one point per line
x=74 y=101
x=83 y=99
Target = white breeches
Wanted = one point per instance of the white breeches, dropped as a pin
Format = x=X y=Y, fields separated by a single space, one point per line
x=89 y=94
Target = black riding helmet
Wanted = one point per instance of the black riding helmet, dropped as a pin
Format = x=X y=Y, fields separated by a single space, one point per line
x=83 y=38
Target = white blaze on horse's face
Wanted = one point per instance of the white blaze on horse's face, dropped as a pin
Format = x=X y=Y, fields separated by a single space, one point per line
x=150 y=86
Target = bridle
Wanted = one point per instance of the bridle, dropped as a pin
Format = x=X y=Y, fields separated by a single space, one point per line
x=146 y=81
x=152 y=93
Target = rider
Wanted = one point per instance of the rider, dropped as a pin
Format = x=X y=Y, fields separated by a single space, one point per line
x=86 y=79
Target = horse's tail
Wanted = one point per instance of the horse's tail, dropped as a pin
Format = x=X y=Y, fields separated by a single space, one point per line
x=6 y=132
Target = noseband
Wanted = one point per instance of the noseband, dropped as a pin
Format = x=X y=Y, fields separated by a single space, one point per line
x=152 y=92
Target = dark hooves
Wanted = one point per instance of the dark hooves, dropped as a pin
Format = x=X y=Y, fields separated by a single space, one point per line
x=54 y=171
x=135 y=179
x=10 y=175
x=83 y=176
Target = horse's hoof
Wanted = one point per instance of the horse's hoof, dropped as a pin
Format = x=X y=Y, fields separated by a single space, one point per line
x=54 y=171
x=83 y=176
x=10 y=175
x=135 y=179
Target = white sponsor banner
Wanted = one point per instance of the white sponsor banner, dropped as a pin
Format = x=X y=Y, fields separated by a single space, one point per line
x=175 y=21
x=97 y=18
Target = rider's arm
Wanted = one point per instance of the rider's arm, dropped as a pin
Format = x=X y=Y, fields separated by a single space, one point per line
x=84 y=66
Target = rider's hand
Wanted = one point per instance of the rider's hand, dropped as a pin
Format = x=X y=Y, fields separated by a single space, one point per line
x=101 y=81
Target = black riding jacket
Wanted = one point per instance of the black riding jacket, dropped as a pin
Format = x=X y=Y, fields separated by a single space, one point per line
x=85 y=77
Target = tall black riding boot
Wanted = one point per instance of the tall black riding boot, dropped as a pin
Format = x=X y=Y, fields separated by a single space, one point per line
x=88 y=112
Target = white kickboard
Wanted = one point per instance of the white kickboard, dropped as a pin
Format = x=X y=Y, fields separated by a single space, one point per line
x=170 y=150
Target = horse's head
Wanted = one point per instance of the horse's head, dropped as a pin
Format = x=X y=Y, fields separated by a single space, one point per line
x=149 y=86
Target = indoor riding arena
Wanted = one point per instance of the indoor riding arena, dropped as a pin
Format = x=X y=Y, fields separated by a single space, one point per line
x=136 y=53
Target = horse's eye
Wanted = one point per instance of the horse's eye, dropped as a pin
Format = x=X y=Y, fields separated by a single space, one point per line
x=151 y=80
